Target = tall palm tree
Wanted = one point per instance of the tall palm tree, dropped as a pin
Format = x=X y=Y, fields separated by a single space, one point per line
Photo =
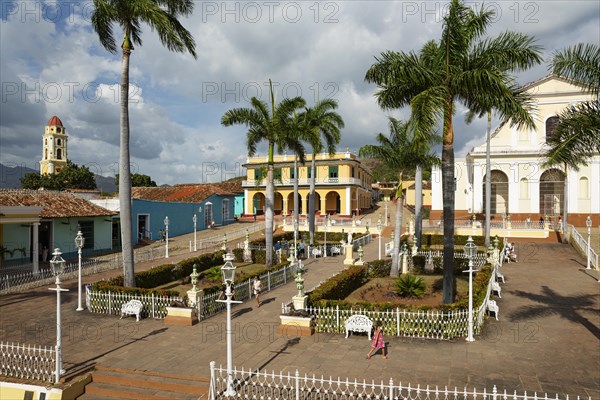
x=276 y=127
x=458 y=68
x=320 y=120
x=162 y=16
x=399 y=152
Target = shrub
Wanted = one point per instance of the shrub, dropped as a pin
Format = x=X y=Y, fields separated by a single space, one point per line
x=419 y=265
x=238 y=254
x=379 y=268
x=460 y=265
x=410 y=286
x=459 y=240
x=438 y=265
x=341 y=285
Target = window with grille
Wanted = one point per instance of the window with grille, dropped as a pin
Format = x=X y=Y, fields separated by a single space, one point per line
x=87 y=230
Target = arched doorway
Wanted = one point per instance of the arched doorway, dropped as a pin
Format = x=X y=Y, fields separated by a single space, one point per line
x=258 y=204
x=318 y=202
x=332 y=203
x=499 y=193
x=291 y=205
x=552 y=188
x=278 y=203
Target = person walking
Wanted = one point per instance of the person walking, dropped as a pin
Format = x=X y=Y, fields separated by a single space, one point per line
x=257 y=288
x=378 y=342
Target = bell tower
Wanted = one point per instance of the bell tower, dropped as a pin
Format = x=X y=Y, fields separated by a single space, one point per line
x=54 y=151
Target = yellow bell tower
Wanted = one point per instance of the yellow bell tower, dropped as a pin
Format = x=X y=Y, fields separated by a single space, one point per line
x=54 y=153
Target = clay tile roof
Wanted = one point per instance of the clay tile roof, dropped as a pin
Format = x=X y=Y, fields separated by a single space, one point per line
x=55 y=204
x=183 y=193
x=54 y=121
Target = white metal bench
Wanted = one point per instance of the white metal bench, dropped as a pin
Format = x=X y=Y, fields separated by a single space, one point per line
x=496 y=288
x=499 y=275
x=336 y=250
x=317 y=252
x=132 y=307
x=358 y=323
x=492 y=306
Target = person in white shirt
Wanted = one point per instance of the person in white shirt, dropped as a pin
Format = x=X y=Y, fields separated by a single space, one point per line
x=257 y=288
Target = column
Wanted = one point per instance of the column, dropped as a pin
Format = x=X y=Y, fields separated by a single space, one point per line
x=323 y=204
x=36 y=247
x=348 y=210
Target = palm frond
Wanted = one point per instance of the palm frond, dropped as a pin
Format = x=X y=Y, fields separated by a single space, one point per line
x=579 y=64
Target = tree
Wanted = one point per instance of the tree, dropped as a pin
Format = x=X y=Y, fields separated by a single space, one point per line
x=320 y=120
x=400 y=152
x=276 y=127
x=161 y=16
x=70 y=177
x=461 y=67
x=577 y=135
x=138 y=180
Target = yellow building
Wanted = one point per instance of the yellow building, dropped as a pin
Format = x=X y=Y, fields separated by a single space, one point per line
x=54 y=152
x=410 y=193
x=342 y=185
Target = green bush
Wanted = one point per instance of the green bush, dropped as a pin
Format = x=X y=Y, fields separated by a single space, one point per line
x=438 y=265
x=460 y=265
x=379 y=268
x=419 y=265
x=341 y=285
x=238 y=254
x=409 y=285
x=459 y=240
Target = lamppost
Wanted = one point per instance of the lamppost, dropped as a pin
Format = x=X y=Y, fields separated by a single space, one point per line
x=470 y=251
x=194 y=219
x=166 y=221
x=588 y=223
x=228 y=271
x=386 y=214
x=325 y=228
x=58 y=266
x=379 y=230
x=79 y=242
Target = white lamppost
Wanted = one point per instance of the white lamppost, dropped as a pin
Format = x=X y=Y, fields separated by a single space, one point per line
x=79 y=242
x=325 y=228
x=228 y=271
x=166 y=221
x=58 y=266
x=588 y=223
x=386 y=213
x=194 y=219
x=295 y=239
x=470 y=250
x=379 y=227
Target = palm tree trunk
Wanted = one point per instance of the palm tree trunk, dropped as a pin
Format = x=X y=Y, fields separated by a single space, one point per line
x=269 y=198
x=311 y=201
x=448 y=188
x=488 y=181
x=565 y=231
x=395 y=270
x=125 y=175
x=418 y=205
x=296 y=206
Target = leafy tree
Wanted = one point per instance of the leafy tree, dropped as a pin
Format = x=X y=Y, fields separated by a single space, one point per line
x=70 y=177
x=461 y=67
x=399 y=152
x=138 y=180
x=31 y=181
x=162 y=17
x=276 y=127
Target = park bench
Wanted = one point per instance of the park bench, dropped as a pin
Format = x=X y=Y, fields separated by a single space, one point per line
x=132 y=307
x=496 y=288
x=492 y=306
x=499 y=275
x=317 y=252
x=336 y=250
x=358 y=323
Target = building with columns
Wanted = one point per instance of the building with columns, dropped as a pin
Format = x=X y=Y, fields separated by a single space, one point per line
x=342 y=185
x=521 y=186
x=54 y=150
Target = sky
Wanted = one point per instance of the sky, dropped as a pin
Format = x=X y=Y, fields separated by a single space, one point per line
x=53 y=64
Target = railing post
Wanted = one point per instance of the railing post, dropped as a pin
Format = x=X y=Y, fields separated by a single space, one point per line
x=337 y=318
x=153 y=316
x=109 y=304
x=398 y=321
x=268 y=281
x=297 y=385
x=284 y=274
x=391 y=394
x=211 y=388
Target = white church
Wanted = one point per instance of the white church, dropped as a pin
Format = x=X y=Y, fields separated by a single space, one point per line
x=521 y=187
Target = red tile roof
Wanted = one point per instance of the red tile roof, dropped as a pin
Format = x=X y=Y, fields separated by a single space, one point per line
x=55 y=204
x=183 y=193
x=54 y=121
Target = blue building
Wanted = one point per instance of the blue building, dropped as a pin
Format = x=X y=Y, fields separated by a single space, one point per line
x=211 y=204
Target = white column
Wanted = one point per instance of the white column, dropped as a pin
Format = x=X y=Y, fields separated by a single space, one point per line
x=248 y=202
x=436 y=188
x=595 y=184
x=513 y=195
x=573 y=190
x=478 y=184
x=348 y=210
x=36 y=247
x=534 y=192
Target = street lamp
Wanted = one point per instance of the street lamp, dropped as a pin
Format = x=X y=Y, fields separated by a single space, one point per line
x=325 y=226
x=228 y=272
x=194 y=219
x=166 y=221
x=386 y=213
x=588 y=223
x=470 y=251
x=379 y=230
x=79 y=242
x=58 y=266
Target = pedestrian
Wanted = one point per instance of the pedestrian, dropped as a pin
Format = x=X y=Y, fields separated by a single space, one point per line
x=378 y=342
x=257 y=288
x=528 y=221
x=560 y=224
x=541 y=222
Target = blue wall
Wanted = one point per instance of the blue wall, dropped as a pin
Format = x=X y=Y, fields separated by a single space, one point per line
x=180 y=215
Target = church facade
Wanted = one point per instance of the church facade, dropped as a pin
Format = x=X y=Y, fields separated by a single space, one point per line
x=522 y=187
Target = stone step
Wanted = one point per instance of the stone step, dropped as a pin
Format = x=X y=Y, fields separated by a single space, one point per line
x=110 y=382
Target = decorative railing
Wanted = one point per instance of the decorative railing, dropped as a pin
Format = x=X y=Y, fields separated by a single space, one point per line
x=534 y=225
x=254 y=384
x=28 y=362
x=20 y=281
x=361 y=241
x=582 y=245
x=304 y=182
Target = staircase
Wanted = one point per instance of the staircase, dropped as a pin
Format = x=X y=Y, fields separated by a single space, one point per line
x=118 y=383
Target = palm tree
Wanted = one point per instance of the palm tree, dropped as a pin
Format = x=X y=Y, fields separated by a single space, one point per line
x=277 y=128
x=320 y=120
x=160 y=15
x=460 y=67
x=399 y=152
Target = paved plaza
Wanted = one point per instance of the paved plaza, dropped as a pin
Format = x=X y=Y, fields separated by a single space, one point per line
x=547 y=339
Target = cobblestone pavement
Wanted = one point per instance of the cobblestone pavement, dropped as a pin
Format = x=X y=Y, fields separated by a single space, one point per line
x=547 y=339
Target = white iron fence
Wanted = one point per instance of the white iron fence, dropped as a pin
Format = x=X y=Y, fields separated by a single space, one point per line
x=582 y=245
x=26 y=280
x=250 y=384
x=27 y=361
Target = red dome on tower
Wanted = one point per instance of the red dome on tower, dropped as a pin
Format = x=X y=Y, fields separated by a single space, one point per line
x=54 y=121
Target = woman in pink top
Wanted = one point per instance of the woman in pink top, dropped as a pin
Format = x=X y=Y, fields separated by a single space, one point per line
x=378 y=342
